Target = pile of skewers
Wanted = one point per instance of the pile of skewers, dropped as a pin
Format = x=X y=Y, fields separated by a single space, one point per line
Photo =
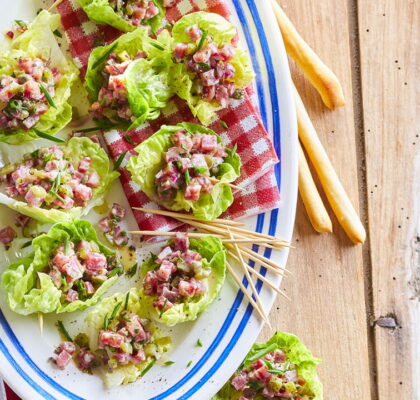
x=235 y=239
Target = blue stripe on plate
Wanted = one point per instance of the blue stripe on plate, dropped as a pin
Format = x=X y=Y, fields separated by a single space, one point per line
x=260 y=223
x=22 y=373
x=12 y=337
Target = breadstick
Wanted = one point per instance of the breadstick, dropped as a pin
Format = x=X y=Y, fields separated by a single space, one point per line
x=314 y=68
x=312 y=201
x=337 y=196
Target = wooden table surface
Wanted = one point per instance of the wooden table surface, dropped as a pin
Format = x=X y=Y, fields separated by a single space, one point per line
x=340 y=290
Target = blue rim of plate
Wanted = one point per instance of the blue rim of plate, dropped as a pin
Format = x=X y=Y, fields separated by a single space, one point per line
x=259 y=227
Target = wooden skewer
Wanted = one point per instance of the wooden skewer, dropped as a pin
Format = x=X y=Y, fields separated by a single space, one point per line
x=336 y=194
x=56 y=4
x=312 y=201
x=41 y=322
x=222 y=231
x=186 y=216
x=270 y=268
x=267 y=282
x=244 y=232
x=157 y=233
x=246 y=293
x=248 y=276
x=262 y=260
x=226 y=184
x=324 y=80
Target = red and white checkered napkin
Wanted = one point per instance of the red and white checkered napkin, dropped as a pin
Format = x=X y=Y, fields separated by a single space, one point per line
x=245 y=128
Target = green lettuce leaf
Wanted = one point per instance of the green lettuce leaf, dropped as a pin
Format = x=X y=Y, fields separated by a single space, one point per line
x=100 y=12
x=146 y=79
x=297 y=353
x=20 y=279
x=222 y=32
x=212 y=250
x=39 y=41
x=95 y=320
x=149 y=161
x=74 y=150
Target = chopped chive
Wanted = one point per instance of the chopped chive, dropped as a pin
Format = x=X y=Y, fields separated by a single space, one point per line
x=189 y=364
x=66 y=246
x=254 y=384
x=133 y=270
x=47 y=136
x=106 y=322
x=54 y=193
x=127 y=297
x=199 y=343
x=26 y=244
x=47 y=95
x=163 y=308
x=275 y=371
x=148 y=368
x=168 y=26
x=201 y=42
x=224 y=124
x=114 y=272
x=204 y=65
x=263 y=352
x=46 y=159
x=157 y=46
x=168 y=363
x=187 y=177
x=125 y=318
x=129 y=140
x=234 y=149
x=58 y=33
x=81 y=289
x=86 y=130
x=63 y=331
x=100 y=60
x=119 y=161
x=115 y=310
x=21 y=23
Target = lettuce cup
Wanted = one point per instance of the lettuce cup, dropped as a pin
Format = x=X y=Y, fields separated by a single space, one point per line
x=124 y=343
x=69 y=269
x=35 y=83
x=58 y=183
x=125 y=15
x=186 y=167
x=282 y=368
x=127 y=80
x=183 y=279
x=210 y=70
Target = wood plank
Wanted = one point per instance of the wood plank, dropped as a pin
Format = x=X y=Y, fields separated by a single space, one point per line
x=390 y=59
x=328 y=308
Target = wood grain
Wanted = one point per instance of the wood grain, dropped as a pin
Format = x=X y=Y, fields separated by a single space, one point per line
x=341 y=291
x=328 y=311
x=390 y=62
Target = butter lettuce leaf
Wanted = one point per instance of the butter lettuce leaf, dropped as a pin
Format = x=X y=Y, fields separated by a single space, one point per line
x=297 y=353
x=146 y=79
x=222 y=32
x=149 y=161
x=40 y=41
x=158 y=345
x=100 y=12
x=210 y=248
x=74 y=150
x=19 y=280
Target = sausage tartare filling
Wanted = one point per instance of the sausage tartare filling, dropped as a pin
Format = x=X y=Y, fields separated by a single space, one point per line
x=47 y=179
x=135 y=11
x=214 y=73
x=78 y=271
x=112 y=100
x=270 y=377
x=179 y=275
x=191 y=166
x=26 y=92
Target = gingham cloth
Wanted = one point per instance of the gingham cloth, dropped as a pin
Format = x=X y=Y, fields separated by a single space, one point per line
x=245 y=128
